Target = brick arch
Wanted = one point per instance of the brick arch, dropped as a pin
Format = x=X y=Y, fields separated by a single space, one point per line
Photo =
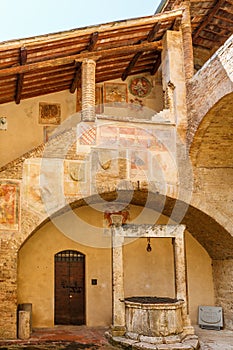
x=209 y=85
x=217 y=241
x=214 y=129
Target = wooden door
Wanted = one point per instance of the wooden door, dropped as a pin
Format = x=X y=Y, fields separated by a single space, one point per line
x=69 y=287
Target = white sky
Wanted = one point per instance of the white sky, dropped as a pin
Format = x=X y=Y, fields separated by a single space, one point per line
x=26 y=18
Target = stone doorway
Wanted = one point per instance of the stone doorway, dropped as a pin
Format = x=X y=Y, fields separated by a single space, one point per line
x=69 y=288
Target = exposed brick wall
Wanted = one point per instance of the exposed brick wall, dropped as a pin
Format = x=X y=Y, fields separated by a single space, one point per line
x=209 y=85
x=8 y=288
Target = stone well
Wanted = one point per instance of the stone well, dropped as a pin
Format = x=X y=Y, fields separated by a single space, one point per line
x=153 y=317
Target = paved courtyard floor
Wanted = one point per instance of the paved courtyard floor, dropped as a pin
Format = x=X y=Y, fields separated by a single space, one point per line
x=82 y=337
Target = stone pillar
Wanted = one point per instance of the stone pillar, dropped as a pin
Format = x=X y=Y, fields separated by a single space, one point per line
x=173 y=78
x=180 y=279
x=24 y=325
x=118 y=326
x=88 y=90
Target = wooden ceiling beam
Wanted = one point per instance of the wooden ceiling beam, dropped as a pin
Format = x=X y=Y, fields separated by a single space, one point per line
x=93 y=41
x=44 y=40
x=19 y=84
x=153 y=31
x=77 y=77
x=96 y=55
x=132 y=63
x=213 y=12
x=156 y=65
x=224 y=19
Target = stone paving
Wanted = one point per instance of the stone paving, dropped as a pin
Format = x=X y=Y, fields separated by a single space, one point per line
x=86 y=338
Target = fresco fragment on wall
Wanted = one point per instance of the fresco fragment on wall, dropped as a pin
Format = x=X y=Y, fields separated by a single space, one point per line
x=48 y=132
x=76 y=178
x=108 y=167
x=140 y=86
x=43 y=184
x=31 y=185
x=86 y=134
x=139 y=165
x=49 y=113
x=9 y=205
x=115 y=93
x=141 y=144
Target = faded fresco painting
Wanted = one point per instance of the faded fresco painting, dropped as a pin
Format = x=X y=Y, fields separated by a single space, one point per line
x=42 y=180
x=140 y=86
x=9 y=205
x=108 y=165
x=107 y=136
x=49 y=113
x=31 y=181
x=76 y=180
x=115 y=93
x=48 y=132
x=86 y=134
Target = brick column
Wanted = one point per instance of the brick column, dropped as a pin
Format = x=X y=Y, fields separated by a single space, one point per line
x=118 y=326
x=88 y=90
x=187 y=41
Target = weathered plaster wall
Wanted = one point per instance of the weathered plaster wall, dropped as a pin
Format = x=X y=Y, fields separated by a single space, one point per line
x=36 y=277
x=24 y=131
x=200 y=277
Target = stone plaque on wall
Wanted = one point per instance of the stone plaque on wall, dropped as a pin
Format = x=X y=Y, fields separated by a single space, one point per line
x=210 y=317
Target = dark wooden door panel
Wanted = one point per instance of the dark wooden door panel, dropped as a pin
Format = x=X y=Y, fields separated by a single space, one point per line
x=62 y=293
x=69 y=288
x=77 y=296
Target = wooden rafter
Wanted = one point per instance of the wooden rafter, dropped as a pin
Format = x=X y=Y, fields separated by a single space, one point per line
x=132 y=63
x=77 y=74
x=207 y=20
x=153 y=31
x=77 y=77
x=153 y=46
x=156 y=65
x=19 y=84
x=93 y=41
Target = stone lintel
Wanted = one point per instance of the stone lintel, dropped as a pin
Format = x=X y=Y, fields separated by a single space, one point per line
x=152 y=231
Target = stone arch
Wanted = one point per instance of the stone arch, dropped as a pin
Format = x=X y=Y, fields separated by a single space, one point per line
x=214 y=130
x=208 y=231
